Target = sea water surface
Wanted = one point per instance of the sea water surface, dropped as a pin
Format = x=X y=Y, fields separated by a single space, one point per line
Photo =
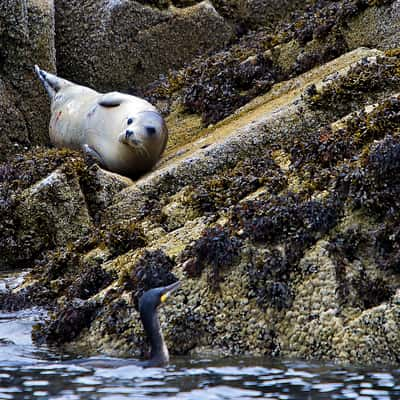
x=30 y=372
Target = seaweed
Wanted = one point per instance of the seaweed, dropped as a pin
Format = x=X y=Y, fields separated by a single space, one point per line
x=123 y=236
x=375 y=186
x=66 y=324
x=217 y=249
x=342 y=94
x=152 y=269
x=269 y=280
x=232 y=185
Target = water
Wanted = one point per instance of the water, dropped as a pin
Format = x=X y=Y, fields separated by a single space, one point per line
x=30 y=372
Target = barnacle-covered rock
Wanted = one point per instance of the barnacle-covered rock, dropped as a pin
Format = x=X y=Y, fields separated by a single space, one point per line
x=49 y=199
x=277 y=229
x=378 y=25
x=216 y=86
x=276 y=206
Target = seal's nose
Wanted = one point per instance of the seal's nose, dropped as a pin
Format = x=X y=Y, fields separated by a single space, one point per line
x=128 y=134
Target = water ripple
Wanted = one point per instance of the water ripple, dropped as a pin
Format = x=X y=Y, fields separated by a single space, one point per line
x=28 y=372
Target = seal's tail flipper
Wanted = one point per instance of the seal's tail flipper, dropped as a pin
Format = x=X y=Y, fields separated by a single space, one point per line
x=51 y=83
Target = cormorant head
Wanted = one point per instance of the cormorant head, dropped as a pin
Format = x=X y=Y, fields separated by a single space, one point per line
x=151 y=299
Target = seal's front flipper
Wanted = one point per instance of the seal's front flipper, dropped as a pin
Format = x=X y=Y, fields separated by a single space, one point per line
x=51 y=83
x=112 y=99
x=92 y=156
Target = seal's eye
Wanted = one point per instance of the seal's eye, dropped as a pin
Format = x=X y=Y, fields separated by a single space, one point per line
x=150 y=130
x=130 y=120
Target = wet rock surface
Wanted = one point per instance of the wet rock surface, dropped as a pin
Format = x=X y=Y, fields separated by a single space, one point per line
x=276 y=205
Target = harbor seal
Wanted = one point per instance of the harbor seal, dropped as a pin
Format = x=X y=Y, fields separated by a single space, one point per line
x=123 y=133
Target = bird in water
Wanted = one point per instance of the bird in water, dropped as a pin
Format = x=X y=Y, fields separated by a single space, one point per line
x=148 y=305
x=148 y=309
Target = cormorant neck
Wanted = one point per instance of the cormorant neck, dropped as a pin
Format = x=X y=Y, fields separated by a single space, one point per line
x=151 y=325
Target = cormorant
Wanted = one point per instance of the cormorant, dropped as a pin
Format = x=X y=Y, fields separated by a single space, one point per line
x=148 y=309
x=148 y=305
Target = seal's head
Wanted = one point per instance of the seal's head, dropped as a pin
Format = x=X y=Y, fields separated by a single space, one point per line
x=143 y=131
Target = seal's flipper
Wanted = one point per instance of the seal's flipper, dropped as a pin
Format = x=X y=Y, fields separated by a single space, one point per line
x=112 y=99
x=51 y=83
x=92 y=156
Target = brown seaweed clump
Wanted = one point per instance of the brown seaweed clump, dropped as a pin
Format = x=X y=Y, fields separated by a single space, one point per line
x=151 y=269
x=215 y=86
x=238 y=82
x=123 y=236
x=375 y=186
x=67 y=325
x=217 y=248
x=287 y=225
x=369 y=77
x=232 y=185
x=364 y=289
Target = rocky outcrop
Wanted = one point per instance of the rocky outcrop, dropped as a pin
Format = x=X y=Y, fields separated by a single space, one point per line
x=50 y=199
x=280 y=223
x=276 y=204
x=27 y=38
x=248 y=15
x=376 y=27
x=260 y=59
x=125 y=44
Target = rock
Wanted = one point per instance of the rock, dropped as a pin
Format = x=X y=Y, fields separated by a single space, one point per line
x=270 y=271
x=53 y=213
x=238 y=138
x=376 y=27
x=179 y=210
x=371 y=336
x=100 y=188
x=49 y=199
x=112 y=45
x=258 y=60
x=252 y=14
x=280 y=216
x=27 y=37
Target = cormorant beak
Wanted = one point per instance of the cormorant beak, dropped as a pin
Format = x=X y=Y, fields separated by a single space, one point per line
x=168 y=290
